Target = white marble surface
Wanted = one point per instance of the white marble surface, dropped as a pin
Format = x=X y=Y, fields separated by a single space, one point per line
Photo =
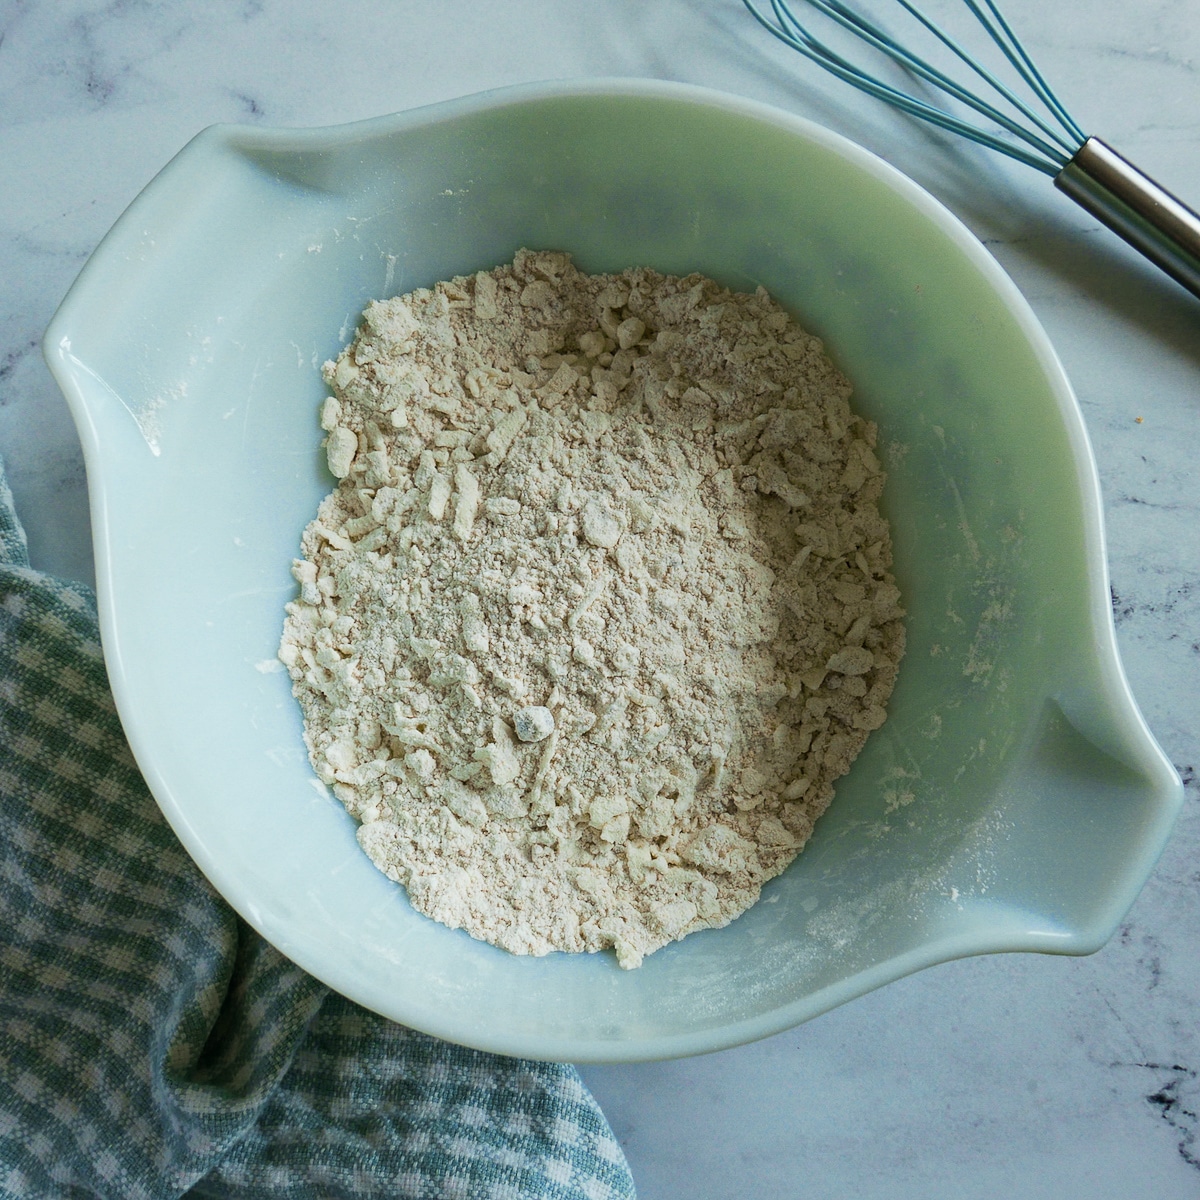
x=1013 y=1076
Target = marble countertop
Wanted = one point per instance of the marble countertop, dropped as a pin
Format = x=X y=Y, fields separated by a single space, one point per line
x=1019 y=1075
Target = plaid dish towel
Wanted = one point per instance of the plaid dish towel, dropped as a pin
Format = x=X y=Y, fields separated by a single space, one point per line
x=152 y=1045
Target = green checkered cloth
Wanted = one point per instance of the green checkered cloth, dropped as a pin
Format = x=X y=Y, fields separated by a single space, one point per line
x=152 y=1045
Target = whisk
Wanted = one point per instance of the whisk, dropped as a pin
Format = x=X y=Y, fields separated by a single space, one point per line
x=1088 y=170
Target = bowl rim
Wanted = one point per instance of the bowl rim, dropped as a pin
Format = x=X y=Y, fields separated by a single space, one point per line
x=66 y=369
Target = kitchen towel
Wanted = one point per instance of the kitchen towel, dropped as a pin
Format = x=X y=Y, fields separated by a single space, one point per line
x=152 y=1045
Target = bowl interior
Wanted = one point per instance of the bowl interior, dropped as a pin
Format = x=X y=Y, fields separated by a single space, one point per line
x=1014 y=800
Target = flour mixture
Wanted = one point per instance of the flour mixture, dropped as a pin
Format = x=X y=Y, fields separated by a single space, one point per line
x=602 y=604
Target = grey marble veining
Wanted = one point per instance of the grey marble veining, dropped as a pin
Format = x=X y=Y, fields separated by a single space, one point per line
x=1015 y=1076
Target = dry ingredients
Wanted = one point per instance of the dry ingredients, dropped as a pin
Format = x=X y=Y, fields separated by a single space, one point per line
x=602 y=604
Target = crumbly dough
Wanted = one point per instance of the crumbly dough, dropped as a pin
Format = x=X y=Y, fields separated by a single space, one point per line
x=601 y=606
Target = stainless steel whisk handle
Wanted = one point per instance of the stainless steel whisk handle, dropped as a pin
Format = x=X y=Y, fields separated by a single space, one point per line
x=1136 y=208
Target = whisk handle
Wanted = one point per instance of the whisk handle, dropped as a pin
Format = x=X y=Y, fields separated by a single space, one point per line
x=1132 y=205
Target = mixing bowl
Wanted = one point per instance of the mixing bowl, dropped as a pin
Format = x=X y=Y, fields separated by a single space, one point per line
x=1013 y=801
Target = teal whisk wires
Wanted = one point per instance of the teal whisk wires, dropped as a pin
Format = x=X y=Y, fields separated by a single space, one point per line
x=1048 y=139
x=1044 y=147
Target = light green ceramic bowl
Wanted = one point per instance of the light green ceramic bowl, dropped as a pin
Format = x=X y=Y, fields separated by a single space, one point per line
x=1014 y=800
